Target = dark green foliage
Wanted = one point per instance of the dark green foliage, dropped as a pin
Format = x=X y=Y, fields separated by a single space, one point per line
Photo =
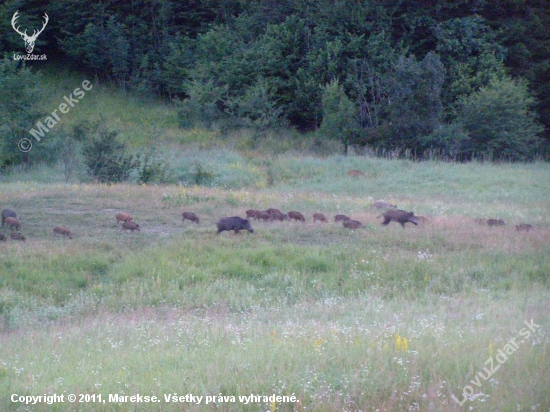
x=416 y=109
x=204 y=106
x=447 y=141
x=406 y=68
x=472 y=55
x=339 y=115
x=202 y=176
x=256 y=108
x=20 y=95
x=153 y=170
x=105 y=158
x=498 y=121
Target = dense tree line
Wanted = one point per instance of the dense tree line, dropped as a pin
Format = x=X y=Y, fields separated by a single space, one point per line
x=463 y=77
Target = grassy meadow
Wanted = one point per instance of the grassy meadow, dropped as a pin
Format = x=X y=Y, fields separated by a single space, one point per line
x=376 y=319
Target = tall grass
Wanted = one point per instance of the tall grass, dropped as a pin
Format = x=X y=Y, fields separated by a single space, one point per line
x=307 y=310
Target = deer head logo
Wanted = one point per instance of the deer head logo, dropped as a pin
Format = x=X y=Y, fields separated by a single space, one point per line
x=29 y=40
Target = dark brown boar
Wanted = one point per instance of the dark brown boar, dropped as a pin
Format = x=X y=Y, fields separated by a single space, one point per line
x=7 y=213
x=340 y=218
x=400 y=216
x=262 y=215
x=2 y=238
x=124 y=217
x=496 y=222
x=278 y=216
x=17 y=236
x=60 y=230
x=131 y=226
x=352 y=224
x=190 y=216
x=524 y=227
x=296 y=216
x=273 y=211
x=234 y=223
x=251 y=213
x=13 y=222
x=320 y=217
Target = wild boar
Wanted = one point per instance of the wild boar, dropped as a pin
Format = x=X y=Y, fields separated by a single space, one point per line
x=190 y=216
x=17 y=236
x=296 y=216
x=480 y=221
x=130 y=226
x=2 y=238
x=124 y=217
x=400 y=216
x=340 y=218
x=13 y=222
x=262 y=215
x=496 y=222
x=320 y=217
x=278 y=216
x=60 y=230
x=352 y=224
x=8 y=213
x=381 y=204
x=524 y=227
x=233 y=223
x=251 y=213
x=273 y=211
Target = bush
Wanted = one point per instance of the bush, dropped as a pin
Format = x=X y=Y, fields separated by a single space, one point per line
x=152 y=170
x=499 y=122
x=447 y=142
x=105 y=159
x=202 y=176
x=204 y=105
x=256 y=108
x=339 y=115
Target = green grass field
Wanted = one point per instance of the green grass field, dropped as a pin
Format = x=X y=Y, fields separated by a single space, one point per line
x=313 y=311
x=444 y=316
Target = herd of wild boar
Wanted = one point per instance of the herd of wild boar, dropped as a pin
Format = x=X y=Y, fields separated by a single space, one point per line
x=390 y=213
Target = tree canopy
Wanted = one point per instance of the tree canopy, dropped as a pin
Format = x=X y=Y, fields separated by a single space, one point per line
x=413 y=75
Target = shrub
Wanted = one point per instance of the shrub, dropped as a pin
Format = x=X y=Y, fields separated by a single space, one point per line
x=499 y=122
x=204 y=105
x=256 y=108
x=151 y=170
x=105 y=159
x=339 y=115
x=202 y=176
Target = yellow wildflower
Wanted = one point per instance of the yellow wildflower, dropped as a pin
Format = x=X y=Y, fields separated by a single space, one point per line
x=401 y=343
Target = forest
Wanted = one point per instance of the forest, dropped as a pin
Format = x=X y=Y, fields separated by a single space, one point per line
x=460 y=79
